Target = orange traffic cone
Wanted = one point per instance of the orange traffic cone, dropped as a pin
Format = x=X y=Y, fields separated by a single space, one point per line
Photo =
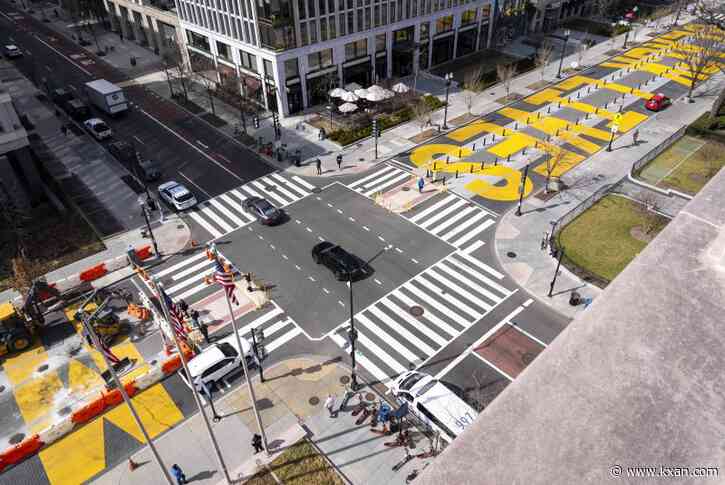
x=132 y=465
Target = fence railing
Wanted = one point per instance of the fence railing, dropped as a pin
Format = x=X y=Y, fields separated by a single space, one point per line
x=652 y=154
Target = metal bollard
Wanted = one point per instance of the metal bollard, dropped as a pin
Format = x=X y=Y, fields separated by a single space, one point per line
x=516 y=125
x=482 y=165
x=474 y=147
x=456 y=173
x=471 y=171
x=548 y=109
x=459 y=153
x=508 y=158
x=447 y=159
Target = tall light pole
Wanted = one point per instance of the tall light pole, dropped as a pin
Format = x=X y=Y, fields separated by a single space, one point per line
x=615 y=129
x=194 y=390
x=626 y=34
x=353 y=338
x=144 y=209
x=521 y=189
x=556 y=273
x=86 y=322
x=567 y=33
x=449 y=78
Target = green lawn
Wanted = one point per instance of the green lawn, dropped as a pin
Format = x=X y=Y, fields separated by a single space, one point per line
x=685 y=166
x=599 y=240
x=301 y=464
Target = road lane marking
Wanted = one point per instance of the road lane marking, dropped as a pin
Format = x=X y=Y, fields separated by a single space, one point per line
x=63 y=55
x=351 y=219
x=377 y=281
x=298 y=268
x=528 y=302
x=321 y=239
x=366 y=228
x=195 y=185
x=200 y=143
x=223 y=157
x=414 y=260
x=326 y=291
x=339 y=211
x=399 y=250
x=381 y=238
x=285 y=256
x=341 y=303
x=215 y=162
x=311 y=278
x=308 y=229
x=138 y=140
x=272 y=246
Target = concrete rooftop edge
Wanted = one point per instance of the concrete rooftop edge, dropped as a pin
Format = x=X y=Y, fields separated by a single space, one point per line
x=634 y=381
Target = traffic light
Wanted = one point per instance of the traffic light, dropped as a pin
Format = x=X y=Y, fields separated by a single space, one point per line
x=151 y=203
x=376 y=130
x=255 y=122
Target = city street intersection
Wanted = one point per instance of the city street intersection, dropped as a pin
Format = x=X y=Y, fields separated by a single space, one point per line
x=437 y=300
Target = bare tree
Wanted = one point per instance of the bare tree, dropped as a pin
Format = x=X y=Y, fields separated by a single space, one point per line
x=176 y=67
x=556 y=156
x=603 y=7
x=718 y=104
x=582 y=48
x=710 y=12
x=204 y=69
x=474 y=79
x=702 y=54
x=421 y=113
x=231 y=86
x=505 y=74
x=647 y=209
x=543 y=56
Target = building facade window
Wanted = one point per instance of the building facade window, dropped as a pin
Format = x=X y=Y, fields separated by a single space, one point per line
x=319 y=60
x=444 y=24
x=198 y=41
x=248 y=61
x=268 y=69
x=381 y=42
x=468 y=17
x=223 y=51
x=291 y=69
x=357 y=49
x=424 y=31
x=276 y=24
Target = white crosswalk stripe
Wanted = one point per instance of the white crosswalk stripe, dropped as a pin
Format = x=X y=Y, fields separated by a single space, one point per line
x=224 y=213
x=457 y=221
x=384 y=179
x=415 y=321
x=278 y=329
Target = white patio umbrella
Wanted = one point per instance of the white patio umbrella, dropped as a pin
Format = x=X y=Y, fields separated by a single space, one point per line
x=349 y=97
x=376 y=88
x=352 y=86
x=337 y=93
x=376 y=96
x=361 y=92
x=401 y=88
x=347 y=107
x=388 y=94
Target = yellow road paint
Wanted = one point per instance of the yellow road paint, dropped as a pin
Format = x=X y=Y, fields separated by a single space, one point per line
x=475 y=128
x=629 y=120
x=518 y=115
x=639 y=52
x=568 y=161
x=579 y=142
x=19 y=367
x=36 y=399
x=82 y=378
x=157 y=411
x=77 y=457
x=508 y=192
x=623 y=60
x=614 y=65
x=425 y=154
x=574 y=82
x=544 y=96
x=621 y=88
x=511 y=145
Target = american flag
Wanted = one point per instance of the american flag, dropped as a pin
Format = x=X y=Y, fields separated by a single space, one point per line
x=226 y=280
x=177 y=320
x=107 y=352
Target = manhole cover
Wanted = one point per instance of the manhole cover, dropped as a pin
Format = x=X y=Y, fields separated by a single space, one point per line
x=369 y=396
x=43 y=368
x=511 y=254
x=314 y=401
x=16 y=438
x=527 y=358
x=344 y=379
x=316 y=190
x=64 y=411
x=405 y=189
x=416 y=310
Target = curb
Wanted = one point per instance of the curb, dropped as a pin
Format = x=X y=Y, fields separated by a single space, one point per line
x=87 y=412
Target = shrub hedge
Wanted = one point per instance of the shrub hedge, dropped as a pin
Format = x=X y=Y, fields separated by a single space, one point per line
x=707 y=127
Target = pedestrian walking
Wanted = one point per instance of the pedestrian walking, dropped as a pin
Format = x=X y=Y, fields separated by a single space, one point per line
x=330 y=404
x=339 y=162
x=421 y=184
x=544 y=241
x=635 y=137
x=204 y=329
x=178 y=473
x=318 y=164
x=184 y=307
x=257 y=443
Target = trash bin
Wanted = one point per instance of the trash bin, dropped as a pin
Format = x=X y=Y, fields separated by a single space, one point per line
x=575 y=298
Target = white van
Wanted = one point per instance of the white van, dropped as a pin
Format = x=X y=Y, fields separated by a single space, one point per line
x=217 y=361
x=433 y=403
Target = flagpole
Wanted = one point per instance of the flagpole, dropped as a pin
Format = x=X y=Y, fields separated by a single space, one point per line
x=97 y=344
x=194 y=391
x=246 y=374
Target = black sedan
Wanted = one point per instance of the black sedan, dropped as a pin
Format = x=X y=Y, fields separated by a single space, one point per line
x=343 y=265
x=265 y=212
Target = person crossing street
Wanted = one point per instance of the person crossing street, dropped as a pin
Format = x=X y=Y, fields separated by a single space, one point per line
x=178 y=474
x=257 y=443
x=318 y=164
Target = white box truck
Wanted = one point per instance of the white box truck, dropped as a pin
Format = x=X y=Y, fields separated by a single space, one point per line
x=106 y=96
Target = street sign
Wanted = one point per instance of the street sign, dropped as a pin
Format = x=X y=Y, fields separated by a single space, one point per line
x=615 y=128
x=617 y=118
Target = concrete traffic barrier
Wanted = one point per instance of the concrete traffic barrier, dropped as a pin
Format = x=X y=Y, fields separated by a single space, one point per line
x=21 y=451
x=93 y=273
x=89 y=411
x=56 y=431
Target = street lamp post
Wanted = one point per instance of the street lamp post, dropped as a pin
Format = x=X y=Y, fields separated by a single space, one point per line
x=521 y=189
x=353 y=338
x=144 y=209
x=626 y=35
x=556 y=273
x=449 y=78
x=567 y=33
x=614 y=131
x=258 y=333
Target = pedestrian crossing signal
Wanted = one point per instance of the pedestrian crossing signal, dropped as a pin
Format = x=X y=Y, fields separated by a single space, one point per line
x=255 y=122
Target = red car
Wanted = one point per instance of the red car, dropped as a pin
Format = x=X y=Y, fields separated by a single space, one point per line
x=658 y=102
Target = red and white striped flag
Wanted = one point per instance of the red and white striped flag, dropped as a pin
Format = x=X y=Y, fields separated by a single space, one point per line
x=107 y=352
x=226 y=280
x=177 y=320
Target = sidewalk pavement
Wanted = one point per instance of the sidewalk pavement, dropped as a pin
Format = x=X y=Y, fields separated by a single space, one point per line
x=290 y=402
x=531 y=266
